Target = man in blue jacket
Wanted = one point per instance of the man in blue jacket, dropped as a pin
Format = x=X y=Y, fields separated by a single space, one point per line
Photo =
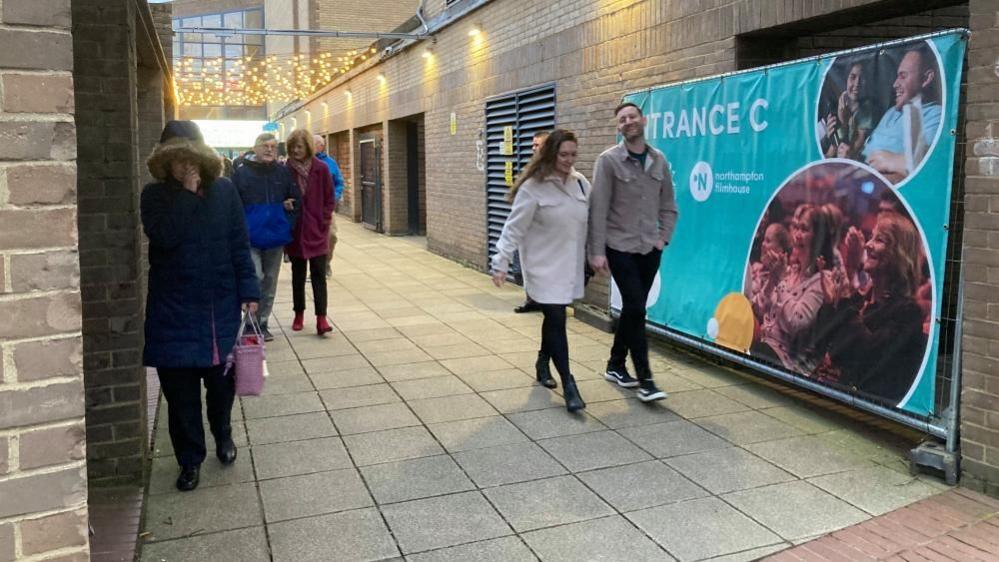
x=337 y=193
x=267 y=189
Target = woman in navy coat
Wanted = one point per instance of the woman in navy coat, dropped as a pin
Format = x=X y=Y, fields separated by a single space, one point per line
x=200 y=277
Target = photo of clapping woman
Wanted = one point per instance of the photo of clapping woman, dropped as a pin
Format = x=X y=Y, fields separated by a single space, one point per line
x=839 y=283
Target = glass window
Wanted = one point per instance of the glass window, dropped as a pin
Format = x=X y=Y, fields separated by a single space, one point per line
x=253 y=19
x=192 y=50
x=176 y=24
x=212 y=21
x=192 y=22
x=212 y=50
x=191 y=37
x=233 y=51
x=234 y=19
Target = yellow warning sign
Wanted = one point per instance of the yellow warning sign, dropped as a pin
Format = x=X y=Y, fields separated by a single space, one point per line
x=508 y=173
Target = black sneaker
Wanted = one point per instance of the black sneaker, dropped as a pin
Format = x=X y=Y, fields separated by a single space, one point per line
x=268 y=336
x=619 y=374
x=649 y=392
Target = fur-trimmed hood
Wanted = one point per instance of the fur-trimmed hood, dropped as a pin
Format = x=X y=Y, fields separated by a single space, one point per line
x=208 y=160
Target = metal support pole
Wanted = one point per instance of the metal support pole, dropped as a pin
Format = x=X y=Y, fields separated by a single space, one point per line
x=229 y=32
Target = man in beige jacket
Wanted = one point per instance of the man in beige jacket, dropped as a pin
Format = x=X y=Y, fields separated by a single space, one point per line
x=632 y=217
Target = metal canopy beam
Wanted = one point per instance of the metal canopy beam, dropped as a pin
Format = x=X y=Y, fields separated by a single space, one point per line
x=229 y=32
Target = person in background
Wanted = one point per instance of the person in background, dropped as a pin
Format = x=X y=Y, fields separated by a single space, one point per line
x=847 y=130
x=529 y=304
x=548 y=225
x=311 y=245
x=200 y=275
x=261 y=181
x=632 y=217
x=338 y=194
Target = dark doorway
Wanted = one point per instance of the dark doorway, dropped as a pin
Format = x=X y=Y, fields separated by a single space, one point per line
x=413 y=159
x=371 y=184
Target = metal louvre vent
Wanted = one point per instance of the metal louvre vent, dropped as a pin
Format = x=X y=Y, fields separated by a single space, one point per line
x=527 y=112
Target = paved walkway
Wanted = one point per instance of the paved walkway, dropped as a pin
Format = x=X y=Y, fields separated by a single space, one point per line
x=416 y=430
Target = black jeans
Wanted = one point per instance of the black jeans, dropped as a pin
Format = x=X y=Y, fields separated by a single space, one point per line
x=317 y=270
x=634 y=274
x=182 y=389
x=554 y=341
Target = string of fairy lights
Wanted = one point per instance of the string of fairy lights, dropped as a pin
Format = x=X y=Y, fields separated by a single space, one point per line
x=257 y=80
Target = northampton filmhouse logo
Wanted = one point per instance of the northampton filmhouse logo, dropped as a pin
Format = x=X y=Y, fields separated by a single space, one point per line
x=702 y=181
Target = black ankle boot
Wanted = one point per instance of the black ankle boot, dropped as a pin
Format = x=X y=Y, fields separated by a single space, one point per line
x=225 y=449
x=543 y=371
x=188 y=479
x=573 y=401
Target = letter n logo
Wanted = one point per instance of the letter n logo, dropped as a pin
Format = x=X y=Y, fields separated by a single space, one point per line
x=702 y=182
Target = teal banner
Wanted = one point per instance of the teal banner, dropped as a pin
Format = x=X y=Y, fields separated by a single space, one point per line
x=814 y=201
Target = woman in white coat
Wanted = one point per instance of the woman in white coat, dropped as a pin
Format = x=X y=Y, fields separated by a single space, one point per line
x=548 y=225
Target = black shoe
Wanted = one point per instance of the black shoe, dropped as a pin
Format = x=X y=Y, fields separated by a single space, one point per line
x=573 y=401
x=189 y=478
x=648 y=391
x=268 y=336
x=226 y=451
x=619 y=373
x=528 y=306
x=543 y=371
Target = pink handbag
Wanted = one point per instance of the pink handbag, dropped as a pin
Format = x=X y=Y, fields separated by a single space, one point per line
x=247 y=359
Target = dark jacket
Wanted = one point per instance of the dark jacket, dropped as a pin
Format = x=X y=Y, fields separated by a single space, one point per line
x=259 y=183
x=312 y=232
x=200 y=272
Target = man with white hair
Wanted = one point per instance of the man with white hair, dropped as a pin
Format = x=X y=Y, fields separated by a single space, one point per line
x=338 y=193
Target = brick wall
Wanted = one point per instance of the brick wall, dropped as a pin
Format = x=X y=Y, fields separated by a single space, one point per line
x=395 y=211
x=110 y=244
x=980 y=389
x=43 y=485
x=373 y=15
x=339 y=147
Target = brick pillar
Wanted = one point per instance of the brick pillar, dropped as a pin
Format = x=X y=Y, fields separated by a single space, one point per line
x=110 y=249
x=980 y=383
x=395 y=219
x=43 y=481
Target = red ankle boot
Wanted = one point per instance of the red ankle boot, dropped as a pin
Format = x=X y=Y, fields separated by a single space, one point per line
x=322 y=325
x=299 y=322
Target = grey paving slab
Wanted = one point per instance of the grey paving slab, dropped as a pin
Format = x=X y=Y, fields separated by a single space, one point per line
x=391 y=445
x=641 y=485
x=374 y=418
x=671 y=439
x=443 y=521
x=727 y=470
x=204 y=510
x=545 y=503
x=281 y=405
x=808 y=420
x=702 y=528
x=163 y=447
x=358 y=336
x=588 y=451
x=415 y=478
x=747 y=427
x=287 y=384
x=534 y=397
x=357 y=396
x=451 y=408
x=240 y=545
x=479 y=364
x=332 y=365
x=436 y=340
x=892 y=455
x=290 y=428
x=400 y=357
x=876 y=489
x=502 y=379
x=753 y=554
x=412 y=371
x=756 y=396
x=598 y=390
x=609 y=539
x=299 y=457
x=353 y=535
x=506 y=549
x=708 y=375
x=674 y=383
x=329 y=347
x=554 y=422
x=807 y=456
x=164 y=471
x=360 y=376
x=313 y=494
x=477 y=433
x=628 y=413
x=507 y=464
x=381 y=346
x=284 y=368
x=796 y=510
x=431 y=387
x=702 y=403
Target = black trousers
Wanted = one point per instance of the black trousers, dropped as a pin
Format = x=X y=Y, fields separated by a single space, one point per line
x=317 y=271
x=182 y=389
x=554 y=341
x=634 y=275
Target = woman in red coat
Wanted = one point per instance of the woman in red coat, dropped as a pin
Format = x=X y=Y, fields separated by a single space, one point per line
x=310 y=244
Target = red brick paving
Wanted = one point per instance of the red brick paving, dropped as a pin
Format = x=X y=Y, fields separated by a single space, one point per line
x=955 y=525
